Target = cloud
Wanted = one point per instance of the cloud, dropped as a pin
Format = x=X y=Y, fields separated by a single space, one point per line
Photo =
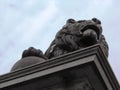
x=103 y=5
x=32 y=25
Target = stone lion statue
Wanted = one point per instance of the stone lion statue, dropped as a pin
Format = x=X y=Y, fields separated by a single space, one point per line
x=72 y=36
x=76 y=35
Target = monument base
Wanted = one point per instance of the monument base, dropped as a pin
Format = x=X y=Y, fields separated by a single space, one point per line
x=85 y=69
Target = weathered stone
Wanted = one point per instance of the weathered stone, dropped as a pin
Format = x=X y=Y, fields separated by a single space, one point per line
x=26 y=62
x=84 y=69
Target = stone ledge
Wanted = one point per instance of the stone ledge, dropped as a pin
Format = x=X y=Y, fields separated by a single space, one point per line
x=93 y=56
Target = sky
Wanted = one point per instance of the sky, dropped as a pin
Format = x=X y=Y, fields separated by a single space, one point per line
x=25 y=23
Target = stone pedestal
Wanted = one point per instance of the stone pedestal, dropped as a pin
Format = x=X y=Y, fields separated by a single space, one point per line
x=85 y=69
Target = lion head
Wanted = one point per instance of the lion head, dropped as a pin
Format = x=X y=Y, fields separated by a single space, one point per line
x=75 y=35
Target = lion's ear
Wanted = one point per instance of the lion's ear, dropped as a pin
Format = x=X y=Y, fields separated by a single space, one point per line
x=70 y=20
x=97 y=21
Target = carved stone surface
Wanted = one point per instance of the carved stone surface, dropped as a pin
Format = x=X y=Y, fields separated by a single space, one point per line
x=30 y=57
x=26 y=62
x=33 y=52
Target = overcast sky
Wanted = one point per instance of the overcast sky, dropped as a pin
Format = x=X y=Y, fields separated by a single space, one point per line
x=25 y=23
